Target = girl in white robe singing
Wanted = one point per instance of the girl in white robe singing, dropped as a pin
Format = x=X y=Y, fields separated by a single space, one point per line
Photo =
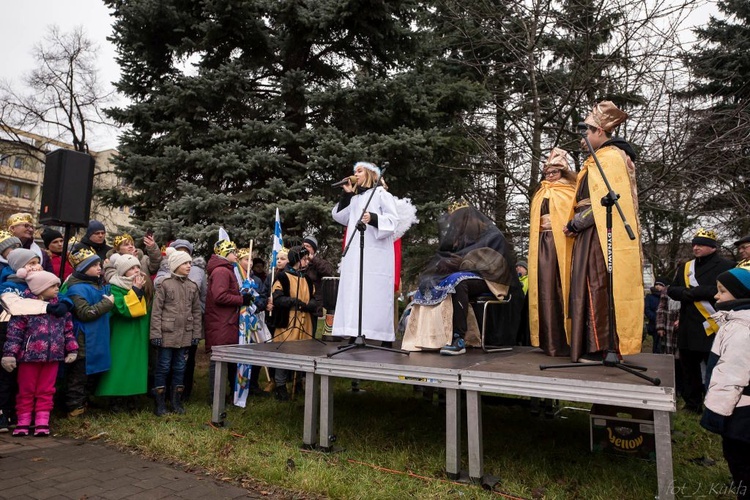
x=381 y=220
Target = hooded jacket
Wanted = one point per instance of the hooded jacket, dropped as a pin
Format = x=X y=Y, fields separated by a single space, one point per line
x=223 y=301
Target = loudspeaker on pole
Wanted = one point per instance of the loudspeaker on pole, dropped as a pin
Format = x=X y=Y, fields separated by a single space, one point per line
x=67 y=188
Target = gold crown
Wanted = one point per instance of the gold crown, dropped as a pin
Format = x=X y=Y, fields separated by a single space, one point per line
x=80 y=255
x=705 y=233
x=72 y=241
x=19 y=218
x=4 y=235
x=242 y=252
x=457 y=205
x=119 y=240
x=224 y=248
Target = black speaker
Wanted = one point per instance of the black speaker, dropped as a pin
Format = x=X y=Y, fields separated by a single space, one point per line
x=67 y=188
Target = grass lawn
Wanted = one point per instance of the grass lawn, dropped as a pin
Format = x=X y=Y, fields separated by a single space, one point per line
x=393 y=446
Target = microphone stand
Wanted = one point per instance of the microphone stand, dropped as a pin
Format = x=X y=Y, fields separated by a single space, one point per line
x=359 y=340
x=611 y=357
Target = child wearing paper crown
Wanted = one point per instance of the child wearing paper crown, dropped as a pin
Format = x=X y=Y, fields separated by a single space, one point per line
x=92 y=302
x=175 y=326
x=727 y=401
x=36 y=344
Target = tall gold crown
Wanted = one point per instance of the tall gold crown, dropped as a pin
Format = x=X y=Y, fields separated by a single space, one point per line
x=119 y=240
x=224 y=248
x=457 y=205
x=19 y=218
x=80 y=255
x=706 y=233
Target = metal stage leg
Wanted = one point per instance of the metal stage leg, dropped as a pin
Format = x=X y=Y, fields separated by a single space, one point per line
x=326 y=413
x=663 y=441
x=218 y=412
x=474 y=428
x=312 y=410
x=453 y=433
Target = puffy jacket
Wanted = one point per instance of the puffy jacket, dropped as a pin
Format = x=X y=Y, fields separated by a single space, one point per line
x=176 y=314
x=40 y=338
x=223 y=301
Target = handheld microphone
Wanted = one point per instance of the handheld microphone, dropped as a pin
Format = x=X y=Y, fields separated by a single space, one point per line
x=346 y=180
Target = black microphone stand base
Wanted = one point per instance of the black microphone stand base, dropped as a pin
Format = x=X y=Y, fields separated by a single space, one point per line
x=612 y=360
x=359 y=342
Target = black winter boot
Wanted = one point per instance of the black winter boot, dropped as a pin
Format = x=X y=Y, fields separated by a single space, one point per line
x=160 y=397
x=176 y=399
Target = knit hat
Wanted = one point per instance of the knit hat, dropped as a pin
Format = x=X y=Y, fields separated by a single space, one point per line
x=182 y=244
x=176 y=259
x=19 y=218
x=94 y=226
x=312 y=241
x=737 y=282
x=605 y=116
x=224 y=248
x=523 y=264
x=38 y=281
x=120 y=239
x=49 y=235
x=741 y=241
x=20 y=257
x=123 y=263
x=7 y=240
x=662 y=280
x=82 y=259
x=705 y=237
x=296 y=254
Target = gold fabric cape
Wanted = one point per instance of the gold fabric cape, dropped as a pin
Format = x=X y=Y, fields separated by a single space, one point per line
x=626 y=253
x=561 y=195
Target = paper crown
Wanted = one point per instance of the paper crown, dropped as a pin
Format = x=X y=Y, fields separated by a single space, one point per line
x=80 y=255
x=119 y=240
x=243 y=252
x=19 y=218
x=457 y=205
x=283 y=250
x=4 y=235
x=706 y=233
x=605 y=116
x=224 y=248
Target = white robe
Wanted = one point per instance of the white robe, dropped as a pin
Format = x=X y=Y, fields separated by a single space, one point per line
x=378 y=277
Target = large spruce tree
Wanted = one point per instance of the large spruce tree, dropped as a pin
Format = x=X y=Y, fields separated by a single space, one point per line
x=238 y=107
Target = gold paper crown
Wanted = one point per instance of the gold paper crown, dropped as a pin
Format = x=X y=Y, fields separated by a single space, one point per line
x=80 y=255
x=457 y=205
x=224 y=248
x=4 y=235
x=242 y=252
x=283 y=250
x=19 y=218
x=705 y=233
x=119 y=240
x=72 y=241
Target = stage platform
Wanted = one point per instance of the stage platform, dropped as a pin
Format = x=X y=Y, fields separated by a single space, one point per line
x=513 y=372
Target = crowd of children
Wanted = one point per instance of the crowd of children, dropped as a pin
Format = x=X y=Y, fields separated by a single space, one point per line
x=94 y=333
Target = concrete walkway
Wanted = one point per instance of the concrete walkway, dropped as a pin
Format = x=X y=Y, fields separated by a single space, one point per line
x=56 y=467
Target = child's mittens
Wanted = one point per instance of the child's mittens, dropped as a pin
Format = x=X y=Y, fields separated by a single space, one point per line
x=60 y=309
x=9 y=363
x=70 y=357
x=156 y=342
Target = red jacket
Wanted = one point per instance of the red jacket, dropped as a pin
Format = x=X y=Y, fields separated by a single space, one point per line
x=221 y=321
x=55 y=260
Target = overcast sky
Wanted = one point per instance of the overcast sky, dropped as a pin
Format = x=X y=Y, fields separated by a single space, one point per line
x=25 y=24
x=26 y=21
